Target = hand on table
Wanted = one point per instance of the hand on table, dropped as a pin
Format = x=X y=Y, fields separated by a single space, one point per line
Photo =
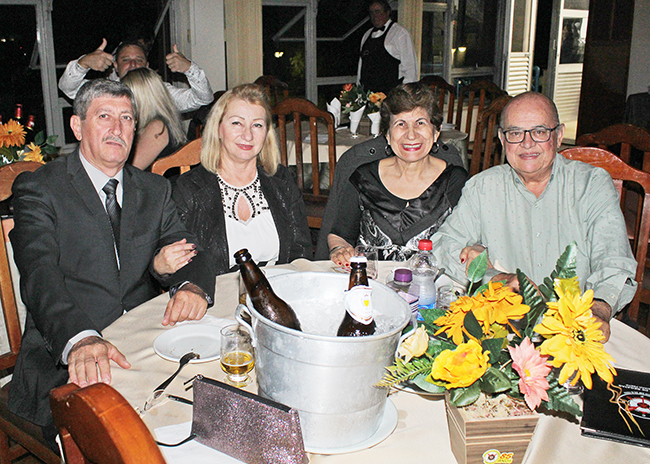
x=188 y=303
x=603 y=313
x=174 y=256
x=176 y=62
x=90 y=355
x=98 y=60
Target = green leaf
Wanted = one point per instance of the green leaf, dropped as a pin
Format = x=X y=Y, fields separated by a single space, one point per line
x=51 y=139
x=560 y=399
x=50 y=150
x=472 y=325
x=465 y=396
x=430 y=315
x=565 y=268
x=495 y=381
x=477 y=267
x=401 y=371
x=481 y=289
x=437 y=346
x=533 y=299
x=547 y=289
x=421 y=382
x=39 y=138
x=494 y=346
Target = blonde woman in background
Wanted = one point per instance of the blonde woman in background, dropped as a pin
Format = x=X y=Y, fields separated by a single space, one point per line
x=159 y=132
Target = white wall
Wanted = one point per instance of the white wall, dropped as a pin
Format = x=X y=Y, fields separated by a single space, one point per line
x=639 y=71
x=200 y=31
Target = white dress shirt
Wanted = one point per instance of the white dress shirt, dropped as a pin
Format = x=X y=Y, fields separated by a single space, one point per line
x=399 y=45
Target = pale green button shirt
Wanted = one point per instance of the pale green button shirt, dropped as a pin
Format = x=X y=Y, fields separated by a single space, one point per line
x=522 y=231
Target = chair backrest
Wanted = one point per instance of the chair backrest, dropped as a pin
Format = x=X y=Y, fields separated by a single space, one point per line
x=314 y=198
x=97 y=425
x=478 y=95
x=621 y=172
x=298 y=108
x=276 y=90
x=185 y=157
x=8 y=174
x=487 y=150
x=622 y=138
x=445 y=93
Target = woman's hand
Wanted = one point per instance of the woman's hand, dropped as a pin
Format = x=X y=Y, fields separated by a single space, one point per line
x=340 y=251
x=174 y=256
x=468 y=254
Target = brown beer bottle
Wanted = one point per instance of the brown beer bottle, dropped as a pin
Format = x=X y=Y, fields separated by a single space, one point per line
x=351 y=325
x=265 y=301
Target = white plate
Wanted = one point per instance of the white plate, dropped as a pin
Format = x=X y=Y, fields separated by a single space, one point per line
x=386 y=427
x=204 y=339
x=276 y=271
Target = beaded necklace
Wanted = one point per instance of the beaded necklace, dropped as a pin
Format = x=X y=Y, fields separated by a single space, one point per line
x=252 y=193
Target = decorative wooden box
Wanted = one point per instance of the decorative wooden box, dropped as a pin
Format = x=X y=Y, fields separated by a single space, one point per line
x=488 y=440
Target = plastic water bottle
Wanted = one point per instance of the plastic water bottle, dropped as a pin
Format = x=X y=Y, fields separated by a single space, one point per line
x=424 y=268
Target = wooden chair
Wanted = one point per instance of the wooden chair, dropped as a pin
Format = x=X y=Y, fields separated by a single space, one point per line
x=17 y=436
x=479 y=94
x=444 y=92
x=621 y=172
x=622 y=139
x=276 y=90
x=487 y=148
x=185 y=157
x=314 y=197
x=97 y=425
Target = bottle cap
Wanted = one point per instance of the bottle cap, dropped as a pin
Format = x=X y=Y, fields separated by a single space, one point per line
x=403 y=275
x=358 y=259
x=425 y=244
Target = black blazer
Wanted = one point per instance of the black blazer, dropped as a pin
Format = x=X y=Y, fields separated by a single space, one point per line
x=69 y=280
x=198 y=198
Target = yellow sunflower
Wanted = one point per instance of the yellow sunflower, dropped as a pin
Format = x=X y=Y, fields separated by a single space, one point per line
x=574 y=340
x=12 y=134
x=499 y=304
x=34 y=154
x=453 y=322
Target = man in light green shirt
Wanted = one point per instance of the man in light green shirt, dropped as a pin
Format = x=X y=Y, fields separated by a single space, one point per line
x=526 y=212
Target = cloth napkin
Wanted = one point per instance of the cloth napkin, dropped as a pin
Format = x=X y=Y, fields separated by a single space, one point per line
x=334 y=107
x=191 y=452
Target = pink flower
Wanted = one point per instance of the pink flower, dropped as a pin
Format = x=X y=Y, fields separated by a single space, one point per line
x=532 y=369
x=347 y=87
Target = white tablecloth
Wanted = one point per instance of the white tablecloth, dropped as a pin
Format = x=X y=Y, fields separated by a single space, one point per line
x=421 y=434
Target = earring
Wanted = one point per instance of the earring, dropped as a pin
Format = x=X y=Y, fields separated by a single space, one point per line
x=435 y=147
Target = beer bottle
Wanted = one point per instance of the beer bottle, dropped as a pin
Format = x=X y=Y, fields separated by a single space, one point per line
x=358 y=320
x=264 y=299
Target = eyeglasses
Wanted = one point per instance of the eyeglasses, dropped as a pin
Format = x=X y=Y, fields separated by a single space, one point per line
x=538 y=134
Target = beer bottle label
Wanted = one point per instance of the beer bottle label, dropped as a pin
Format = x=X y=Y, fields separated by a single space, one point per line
x=358 y=303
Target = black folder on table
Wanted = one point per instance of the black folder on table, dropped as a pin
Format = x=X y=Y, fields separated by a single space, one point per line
x=609 y=420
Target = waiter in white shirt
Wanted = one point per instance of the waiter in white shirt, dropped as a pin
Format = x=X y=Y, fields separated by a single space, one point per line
x=387 y=54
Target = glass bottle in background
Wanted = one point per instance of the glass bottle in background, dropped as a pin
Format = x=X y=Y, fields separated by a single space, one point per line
x=402 y=280
x=264 y=299
x=424 y=269
x=359 y=319
x=18 y=115
x=29 y=129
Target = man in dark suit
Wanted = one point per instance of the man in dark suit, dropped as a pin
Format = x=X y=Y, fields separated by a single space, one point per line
x=91 y=237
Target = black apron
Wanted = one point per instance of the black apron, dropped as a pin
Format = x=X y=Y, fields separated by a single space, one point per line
x=379 y=70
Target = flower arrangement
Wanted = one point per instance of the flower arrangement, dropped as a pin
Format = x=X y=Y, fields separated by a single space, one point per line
x=354 y=97
x=13 y=148
x=497 y=342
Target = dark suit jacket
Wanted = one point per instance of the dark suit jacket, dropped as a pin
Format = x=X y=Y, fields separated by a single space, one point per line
x=342 y=189
x=69 y=280
x=198 y=198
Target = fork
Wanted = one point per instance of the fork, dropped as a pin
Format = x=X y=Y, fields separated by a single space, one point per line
x=158 y=392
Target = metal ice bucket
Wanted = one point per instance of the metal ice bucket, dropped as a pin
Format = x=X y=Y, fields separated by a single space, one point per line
x=328 y=379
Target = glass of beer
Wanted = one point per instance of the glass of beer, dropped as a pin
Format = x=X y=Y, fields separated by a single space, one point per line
x=370 y=252
x=237 y=358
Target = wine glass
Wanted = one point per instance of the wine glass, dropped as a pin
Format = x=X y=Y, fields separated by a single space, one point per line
x=370 y=252
x=237 y=358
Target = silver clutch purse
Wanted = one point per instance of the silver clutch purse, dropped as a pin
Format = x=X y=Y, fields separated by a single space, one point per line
x=246 y=426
